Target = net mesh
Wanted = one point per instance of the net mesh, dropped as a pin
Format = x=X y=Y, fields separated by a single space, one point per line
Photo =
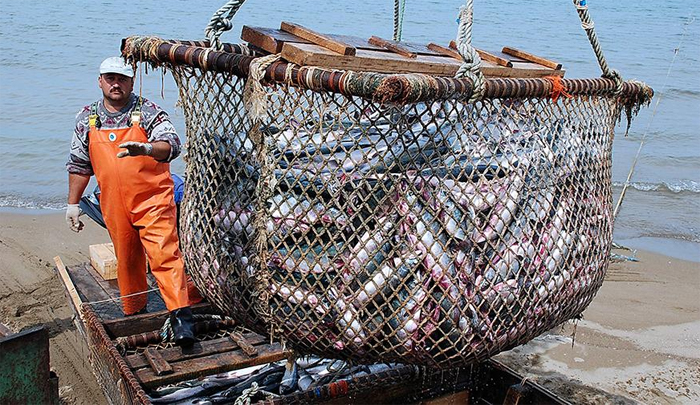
x=434 y=233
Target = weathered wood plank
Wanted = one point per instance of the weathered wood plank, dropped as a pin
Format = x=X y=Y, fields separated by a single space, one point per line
x=271 y=40
x=74 y=299
x=199 y=349
x=85 y=283
x=532 y=58
x=395 y=47
x=485 y=55
x=318 y=39
x=135 y=324
x=218 y=363
x=367 y=60
x=383 y=62
x=157 y=362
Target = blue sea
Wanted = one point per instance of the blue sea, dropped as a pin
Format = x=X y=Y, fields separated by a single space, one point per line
x=50 y=51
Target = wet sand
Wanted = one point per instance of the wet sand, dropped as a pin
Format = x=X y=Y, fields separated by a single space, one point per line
x=639 y=341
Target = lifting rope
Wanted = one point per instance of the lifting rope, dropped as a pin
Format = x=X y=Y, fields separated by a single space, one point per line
x=589 y=27
x=220 y=22
x=399 y=7
x=471 y=66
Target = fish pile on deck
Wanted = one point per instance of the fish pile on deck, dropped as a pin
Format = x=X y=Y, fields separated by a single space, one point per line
x=432 y=232
x=272 y=380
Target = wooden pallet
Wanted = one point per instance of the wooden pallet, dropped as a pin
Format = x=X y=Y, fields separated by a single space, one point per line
x=308 y=48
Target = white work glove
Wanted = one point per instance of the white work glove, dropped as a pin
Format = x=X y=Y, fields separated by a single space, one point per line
x=72 y=217
x=135 y=149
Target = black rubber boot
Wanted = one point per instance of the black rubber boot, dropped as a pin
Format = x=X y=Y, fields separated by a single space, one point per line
x=182 y=324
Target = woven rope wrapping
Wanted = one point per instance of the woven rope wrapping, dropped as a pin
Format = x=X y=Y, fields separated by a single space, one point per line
x=436 y=231
x=471 y=66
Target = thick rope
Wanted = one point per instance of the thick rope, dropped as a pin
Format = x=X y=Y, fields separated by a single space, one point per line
x=589 y=27
x=471 y=66
x=399 y=6
x=220 y=23
x=247 y=395
x=255 y=102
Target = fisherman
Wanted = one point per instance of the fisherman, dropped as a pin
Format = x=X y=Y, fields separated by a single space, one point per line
x=127 y=142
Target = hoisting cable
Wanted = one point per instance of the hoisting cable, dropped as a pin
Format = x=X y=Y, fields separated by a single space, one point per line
x=471 y=61
x=220 y=22
x=589 y=27
x=399 y=6
x=691 y=19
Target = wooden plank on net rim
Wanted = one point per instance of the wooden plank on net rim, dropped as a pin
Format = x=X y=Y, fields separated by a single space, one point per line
x=318 y=38
x=392 y=46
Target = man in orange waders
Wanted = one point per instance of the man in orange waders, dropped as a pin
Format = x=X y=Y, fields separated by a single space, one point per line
x=127 y=142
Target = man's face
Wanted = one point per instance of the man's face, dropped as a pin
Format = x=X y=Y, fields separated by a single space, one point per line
x=116 y=87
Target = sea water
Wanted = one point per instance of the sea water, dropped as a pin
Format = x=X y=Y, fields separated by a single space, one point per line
x=50 y=51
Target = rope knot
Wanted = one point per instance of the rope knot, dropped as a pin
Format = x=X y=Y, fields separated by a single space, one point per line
x=558 y=88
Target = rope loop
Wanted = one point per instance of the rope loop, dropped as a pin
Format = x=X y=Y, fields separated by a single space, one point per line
x=471 y=66
x=255 y=102
x=220 y=22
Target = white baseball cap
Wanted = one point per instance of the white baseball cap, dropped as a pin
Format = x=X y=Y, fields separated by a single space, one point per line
x=116 y=64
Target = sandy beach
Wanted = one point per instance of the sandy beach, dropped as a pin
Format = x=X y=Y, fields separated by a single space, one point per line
x=639 y=341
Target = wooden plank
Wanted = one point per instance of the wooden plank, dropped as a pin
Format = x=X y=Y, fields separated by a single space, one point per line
x=444 y=51
x=74 y=299
x=392 y=46
x=157 y=362
x=104 y=260
x=318 y=39
x=218 y=363
x=383 y=62
x=487 y=56
x=199 y=349
x=367 y=60
x=532 y=58
x=146 y=322
x=271 y=41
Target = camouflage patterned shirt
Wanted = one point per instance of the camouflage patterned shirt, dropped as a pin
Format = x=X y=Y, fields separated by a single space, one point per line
x=153 y=119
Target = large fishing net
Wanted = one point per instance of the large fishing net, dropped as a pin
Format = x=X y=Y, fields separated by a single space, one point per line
x=375 y=217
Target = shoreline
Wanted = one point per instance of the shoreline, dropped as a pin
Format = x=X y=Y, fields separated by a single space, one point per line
x=637 y=341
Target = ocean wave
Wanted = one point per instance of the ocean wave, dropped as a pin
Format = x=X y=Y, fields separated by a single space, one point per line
x=680 y=186
x=686 y=237
x=10 y=201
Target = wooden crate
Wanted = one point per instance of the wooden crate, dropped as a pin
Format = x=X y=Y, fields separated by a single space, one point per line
x=104 y=260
